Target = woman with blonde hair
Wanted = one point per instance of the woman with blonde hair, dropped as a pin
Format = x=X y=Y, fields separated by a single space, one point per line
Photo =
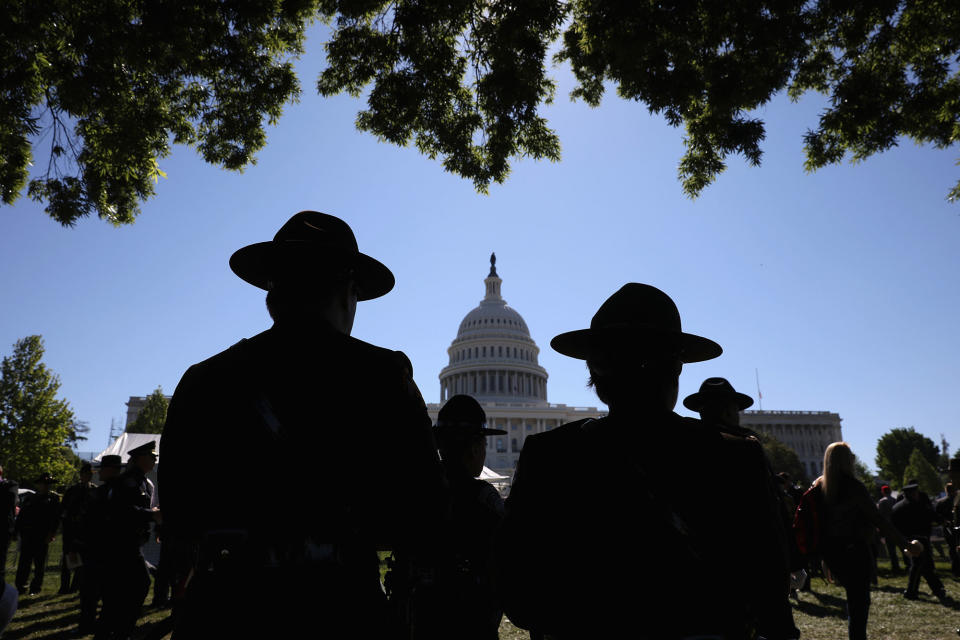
x=848 y=520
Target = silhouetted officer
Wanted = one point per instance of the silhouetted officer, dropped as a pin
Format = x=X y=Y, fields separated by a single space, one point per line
x=37 y=524
x=913 y=517
x=460 y=602
x=719 y=405
x=129 y=515
x=96 y=544
x=340 y=419
x=9 y=499
x=633 y=550
x=74 y=505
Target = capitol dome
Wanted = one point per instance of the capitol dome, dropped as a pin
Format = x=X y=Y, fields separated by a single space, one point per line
x=493 y=358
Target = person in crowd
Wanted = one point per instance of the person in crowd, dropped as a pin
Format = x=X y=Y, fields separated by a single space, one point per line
x=914 y=517
x=129 y=516
x=944 y=509
x=637 y=552
x=885 y=507
x=96 y=548
x=9 y=500
x=75 y=501
x=462 y=603
x=790 y=487
x=719 y=406
x=848 y=521
x=37 y=525
x=338 y=418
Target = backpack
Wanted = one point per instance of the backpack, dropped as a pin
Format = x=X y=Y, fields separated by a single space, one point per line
x=806 y=521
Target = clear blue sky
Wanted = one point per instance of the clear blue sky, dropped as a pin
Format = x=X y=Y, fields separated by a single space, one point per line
x=839 y=287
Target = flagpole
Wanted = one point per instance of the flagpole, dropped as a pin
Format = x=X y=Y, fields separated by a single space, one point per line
x=759 y=395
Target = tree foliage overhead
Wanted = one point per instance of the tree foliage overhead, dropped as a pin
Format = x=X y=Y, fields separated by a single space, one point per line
x=36 y=428
x=108 y=85
x=894 y=449
x=153 y=415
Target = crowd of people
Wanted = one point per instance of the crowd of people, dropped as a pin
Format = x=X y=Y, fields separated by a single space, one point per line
x=633 y=551
x=103 y=529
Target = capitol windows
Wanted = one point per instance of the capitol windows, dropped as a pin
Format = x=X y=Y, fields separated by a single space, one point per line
x=514 y=352
x=501 y=446
x=514 y=446
x=484 y=352
x=500 y=351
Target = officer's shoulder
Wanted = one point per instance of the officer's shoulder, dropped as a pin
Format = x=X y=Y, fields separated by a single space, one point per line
x=233 y=356
x=373 y=352
x=565 y=434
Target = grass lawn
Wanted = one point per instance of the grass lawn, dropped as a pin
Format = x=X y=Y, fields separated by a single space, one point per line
x=820 y=613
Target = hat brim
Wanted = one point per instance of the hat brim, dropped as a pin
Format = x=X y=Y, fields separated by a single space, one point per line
x=696 y=401
x=254 y=264
x=584 y=343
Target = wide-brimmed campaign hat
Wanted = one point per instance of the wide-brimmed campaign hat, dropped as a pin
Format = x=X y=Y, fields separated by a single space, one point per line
x=312 y=243
x=713 y=390
x=637 y=314
x=111 y=460
x=463 y=416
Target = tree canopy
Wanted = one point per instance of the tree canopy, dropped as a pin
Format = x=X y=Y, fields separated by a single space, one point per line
x=894 y=449
x=919 y=468
x=783 y=458
x=109 y=86
x=152 y=416
x=36 y=427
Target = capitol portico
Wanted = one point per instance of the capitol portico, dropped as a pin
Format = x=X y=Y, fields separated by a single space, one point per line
x=494 y=359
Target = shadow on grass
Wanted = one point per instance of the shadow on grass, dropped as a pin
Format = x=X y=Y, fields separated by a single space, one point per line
x=48 y=628
x=21 y=617
x=826 y=606
x=155 y=630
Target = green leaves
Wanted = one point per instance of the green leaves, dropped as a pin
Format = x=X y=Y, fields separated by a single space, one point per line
x=894 y=450
x=109 y=85
x=36 y=428
x=153 y=415
x=461 y=80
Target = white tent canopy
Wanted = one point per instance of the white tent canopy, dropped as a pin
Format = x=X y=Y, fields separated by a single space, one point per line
x=491 y=476
x=126 y=442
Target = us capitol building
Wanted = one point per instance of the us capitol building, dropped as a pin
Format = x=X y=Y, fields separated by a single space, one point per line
x=494 y=359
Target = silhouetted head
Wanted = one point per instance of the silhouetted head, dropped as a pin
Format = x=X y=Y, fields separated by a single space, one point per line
x=144 y=456
x=718 y=402
x=953 y=469
x=462 y=435
x=885 y=490
x=86 y=472
x=837 y=463
x=911 y=490
x=313 y=270
x=44 y=482
x=110 y=466
x=635 y=349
